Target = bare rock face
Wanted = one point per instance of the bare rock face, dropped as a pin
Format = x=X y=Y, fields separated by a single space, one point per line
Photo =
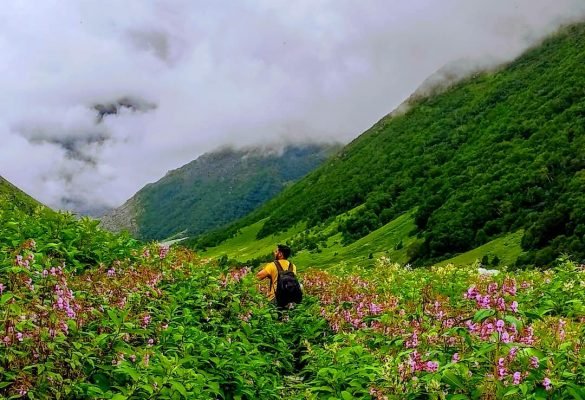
x=123 y=218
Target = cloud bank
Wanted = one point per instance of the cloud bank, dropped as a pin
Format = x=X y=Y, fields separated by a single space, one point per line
x=100 y=98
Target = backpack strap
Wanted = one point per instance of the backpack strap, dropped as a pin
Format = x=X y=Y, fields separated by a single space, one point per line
x=280 y=269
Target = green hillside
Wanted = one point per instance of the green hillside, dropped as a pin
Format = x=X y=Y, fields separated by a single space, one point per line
x=11 y=196
x=214 y=190
x=497 y=153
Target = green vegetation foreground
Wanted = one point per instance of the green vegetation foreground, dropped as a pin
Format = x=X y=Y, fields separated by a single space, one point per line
x=87 y=314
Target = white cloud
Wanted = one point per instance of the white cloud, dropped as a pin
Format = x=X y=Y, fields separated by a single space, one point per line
x=219 y=73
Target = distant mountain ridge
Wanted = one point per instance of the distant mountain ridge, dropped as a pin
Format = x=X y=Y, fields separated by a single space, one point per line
x=213 y=190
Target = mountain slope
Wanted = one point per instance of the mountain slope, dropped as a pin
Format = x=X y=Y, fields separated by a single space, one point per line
x=492 y=155
x=214 y=190
x=11 y=196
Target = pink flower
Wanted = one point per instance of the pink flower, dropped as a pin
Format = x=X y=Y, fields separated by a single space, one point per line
x=111 y=272
x=501 y=304
x=501 y=362
x=492 y=287
x=455 y=358
x=484 y=302
x=375 y=309
x=19 y=337
x=163 y=250
x=510 y=286
x=517 y=378
x=514 y=306
x=471 y=293
x=145 y=320
x=513 y=352
x=1 y=288
x=471 y=326
x=70 y=312
x=432 y=366
x=547 y=384
x=412 y=341
x=500 y=325
x=506 y=338
x=150 y=342
x=534 y=362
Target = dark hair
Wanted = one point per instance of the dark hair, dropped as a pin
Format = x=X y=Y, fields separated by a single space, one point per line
x=285 y=250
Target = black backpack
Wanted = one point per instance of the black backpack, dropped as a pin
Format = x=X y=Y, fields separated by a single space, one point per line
x=288 y=288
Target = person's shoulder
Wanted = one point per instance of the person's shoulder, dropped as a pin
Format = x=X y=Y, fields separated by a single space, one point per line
x=269 y=266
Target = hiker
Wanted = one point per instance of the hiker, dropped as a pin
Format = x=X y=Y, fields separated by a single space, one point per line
x=284 y=285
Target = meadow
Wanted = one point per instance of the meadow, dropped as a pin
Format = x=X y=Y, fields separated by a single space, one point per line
x=88 y=314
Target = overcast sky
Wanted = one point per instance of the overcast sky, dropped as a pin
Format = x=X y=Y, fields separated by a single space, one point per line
x=185 y=77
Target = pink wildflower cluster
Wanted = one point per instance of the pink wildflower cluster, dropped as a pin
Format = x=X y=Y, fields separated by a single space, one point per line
x=235 y=275
x=415 y=363
x=504 y=366
x=163 y=251
x=497 y=328
x=65 y=300
x=145 y=321
x=24 y=262
x=494 y=298
x=377 y=394
x=354 y=301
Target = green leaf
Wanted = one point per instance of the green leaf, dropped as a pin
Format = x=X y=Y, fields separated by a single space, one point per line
x=577 y=392
x=511 y=391
x=5 y=297
x=453 y=380
x=178 y=386
x=114 y=317
x=482 y=315
x=513 y=321
x=345 y=395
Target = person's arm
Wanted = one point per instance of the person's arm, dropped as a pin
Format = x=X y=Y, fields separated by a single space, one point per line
x=262 y=274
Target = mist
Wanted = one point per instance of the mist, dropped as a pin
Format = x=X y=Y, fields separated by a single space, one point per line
x=100 y=98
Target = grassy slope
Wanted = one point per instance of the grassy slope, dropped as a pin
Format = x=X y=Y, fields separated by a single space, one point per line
x=507 y=248
x=380 y=243
x=11 y=195
x=244 y=245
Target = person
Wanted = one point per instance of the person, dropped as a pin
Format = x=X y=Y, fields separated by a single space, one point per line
x=270 y=271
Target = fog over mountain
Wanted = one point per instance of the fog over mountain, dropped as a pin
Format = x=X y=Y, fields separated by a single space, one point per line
x=99 y=98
